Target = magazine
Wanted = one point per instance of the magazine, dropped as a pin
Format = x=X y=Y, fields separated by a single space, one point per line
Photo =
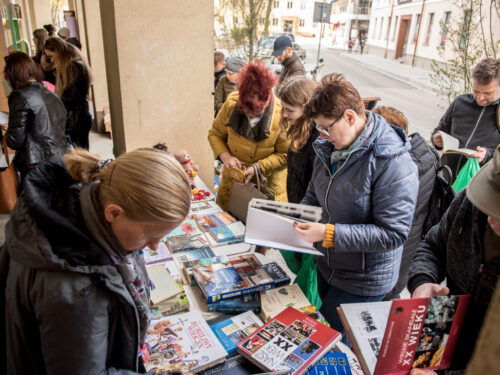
x=290 y=341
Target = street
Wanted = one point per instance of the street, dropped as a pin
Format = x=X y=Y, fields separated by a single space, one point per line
x=420 y=106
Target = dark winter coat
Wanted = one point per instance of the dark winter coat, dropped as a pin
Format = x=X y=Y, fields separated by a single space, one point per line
x=67 y=310
x=217 y=76
x=473 y=125
x=370 y=200
x=222 y=91
x=37 y=121
x=453 y=249
x=292 y=66
x=300 y=166
x=427 y=161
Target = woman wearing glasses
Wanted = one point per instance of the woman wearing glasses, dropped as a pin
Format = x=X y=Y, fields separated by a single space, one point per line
x=366 y=183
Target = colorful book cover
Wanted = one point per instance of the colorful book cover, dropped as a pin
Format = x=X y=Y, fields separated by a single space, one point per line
x=188 y=266
x=236 y=365
x=290 y=341
x=274 y=301
x=395 y=337
x=241 y=274
x=181 y=343
x=191 y=255
x=354 y=365
x=331 y=364
x=156 y=256
x=314 y=313
x=215 y=220
x=247 y=302
x=228 y=233
x=232 y=331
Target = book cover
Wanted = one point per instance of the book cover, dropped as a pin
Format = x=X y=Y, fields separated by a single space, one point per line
x=186 y=236
x=228 y=233
x=354 y=365
x=214 y=244
x=181 y=343
x=173 y=305
x=331 y=364
x=247 y=302
x=232 y=331
x=239 y=275
x=236 y=365
x=204 y=208
x=314 y=313
x=275 y=300
x=163 y=286
x=290 y=341
x=159 y=255
x=214 y=220
x=190 y=255
x=394 y=337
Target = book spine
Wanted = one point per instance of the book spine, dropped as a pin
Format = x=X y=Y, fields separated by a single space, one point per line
x=232 y=309
x=237 y=293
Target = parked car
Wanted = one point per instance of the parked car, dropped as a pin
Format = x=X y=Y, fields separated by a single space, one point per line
x=290 y=35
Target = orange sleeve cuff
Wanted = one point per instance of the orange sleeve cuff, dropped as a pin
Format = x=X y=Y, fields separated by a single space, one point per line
x=329 y=240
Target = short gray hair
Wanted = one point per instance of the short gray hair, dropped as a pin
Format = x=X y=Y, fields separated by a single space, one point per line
x=486 y=71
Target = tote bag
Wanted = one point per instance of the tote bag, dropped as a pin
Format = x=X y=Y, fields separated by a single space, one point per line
x=8 y=183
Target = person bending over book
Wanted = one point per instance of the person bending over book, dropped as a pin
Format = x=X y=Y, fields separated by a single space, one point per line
x=464 y=248
x=75 y=291
x=366 y=183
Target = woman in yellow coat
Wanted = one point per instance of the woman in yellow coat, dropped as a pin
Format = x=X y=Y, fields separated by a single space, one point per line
x=247 y=131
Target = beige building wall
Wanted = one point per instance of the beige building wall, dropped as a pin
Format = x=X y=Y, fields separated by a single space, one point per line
x=39 y=13
x=159 y=58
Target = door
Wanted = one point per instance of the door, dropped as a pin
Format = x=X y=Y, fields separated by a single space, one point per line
x=288 y=27
x=404 y=29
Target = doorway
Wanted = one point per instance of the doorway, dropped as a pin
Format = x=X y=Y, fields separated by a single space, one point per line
x=404 y=31
x=288 y=26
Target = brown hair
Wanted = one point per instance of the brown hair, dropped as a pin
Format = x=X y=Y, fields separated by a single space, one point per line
x=333 y=97
x=392 y=116
x=296 y=92
x=21 y=69
x=66 y=71
x=219 y=58
x=41 y=35
x=486 y=71
x=148 y=184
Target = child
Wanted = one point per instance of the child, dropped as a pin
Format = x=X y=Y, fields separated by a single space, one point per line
x=219 y=65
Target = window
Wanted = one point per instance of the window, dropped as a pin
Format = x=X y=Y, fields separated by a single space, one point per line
x=429 y=30
x=465 y=33
x=374 y=30
x=235 y=20
x=303 y=5
x=415 y=28
x=276 y=4
x=395 y=28
x=446 y=24
x=380 y=28
x=275 y=22
x=302 y=22
x=289 y=5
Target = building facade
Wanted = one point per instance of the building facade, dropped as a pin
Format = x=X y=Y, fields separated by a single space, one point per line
x=350 y=19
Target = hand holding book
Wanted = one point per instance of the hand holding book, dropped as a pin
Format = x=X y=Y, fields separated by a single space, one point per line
x=430 y=290
x=310 y=232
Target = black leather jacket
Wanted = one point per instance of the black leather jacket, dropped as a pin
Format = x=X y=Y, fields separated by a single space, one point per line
x=37 y=120
x=75 y=98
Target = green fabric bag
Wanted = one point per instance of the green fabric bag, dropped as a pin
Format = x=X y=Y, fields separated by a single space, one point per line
x=307 y=278
x=468 y=171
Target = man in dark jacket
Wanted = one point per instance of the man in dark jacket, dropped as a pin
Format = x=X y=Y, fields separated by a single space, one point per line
x=474 y=118
x=366 y=183
x=292 y=65
x=464 y=248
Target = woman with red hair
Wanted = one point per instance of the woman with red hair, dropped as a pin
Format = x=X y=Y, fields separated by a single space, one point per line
x=246 y=133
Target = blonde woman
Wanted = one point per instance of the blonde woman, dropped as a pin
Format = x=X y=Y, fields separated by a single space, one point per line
x=74 y=284
x=72 y=85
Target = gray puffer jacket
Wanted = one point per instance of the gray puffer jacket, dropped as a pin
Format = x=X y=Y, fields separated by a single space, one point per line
x=67 y=310
x=370 y=199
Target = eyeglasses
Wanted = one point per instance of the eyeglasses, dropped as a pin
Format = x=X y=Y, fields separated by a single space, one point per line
x=326 y=131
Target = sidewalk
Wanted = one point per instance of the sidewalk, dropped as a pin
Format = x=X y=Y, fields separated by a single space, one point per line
x=415 y=77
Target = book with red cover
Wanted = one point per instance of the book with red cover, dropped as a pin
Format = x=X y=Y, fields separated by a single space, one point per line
x=395 y=337
x=290 y=341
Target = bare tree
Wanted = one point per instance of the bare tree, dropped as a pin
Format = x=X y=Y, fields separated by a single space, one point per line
x=268 y=17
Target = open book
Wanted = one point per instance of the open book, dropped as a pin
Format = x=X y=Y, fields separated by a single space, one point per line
x=392 y=337
x=270 y=224
x=451 y=145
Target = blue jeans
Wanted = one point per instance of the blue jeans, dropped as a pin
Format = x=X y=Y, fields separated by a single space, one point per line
x=332 y=298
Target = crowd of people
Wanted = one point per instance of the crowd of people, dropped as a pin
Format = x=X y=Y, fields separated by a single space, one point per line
x=75 y=289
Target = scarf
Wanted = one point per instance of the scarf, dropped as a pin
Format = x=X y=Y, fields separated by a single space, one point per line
x=241 y=126
x=130 y=264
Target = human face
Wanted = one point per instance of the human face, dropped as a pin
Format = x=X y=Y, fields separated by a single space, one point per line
x=218 y=67
x=135 y=235
x=485 y=94
x=232 y=77
x=495 y=225
x=53 y=57
x=284 y=54
x=291 y=113
x=342 y=134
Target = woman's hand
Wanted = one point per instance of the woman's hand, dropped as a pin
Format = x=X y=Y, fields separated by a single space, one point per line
x=430 y=290
x=230 y=161
x=310 y=232
x=249 y=173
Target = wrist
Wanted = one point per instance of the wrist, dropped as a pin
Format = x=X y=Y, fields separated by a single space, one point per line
x=329 y=236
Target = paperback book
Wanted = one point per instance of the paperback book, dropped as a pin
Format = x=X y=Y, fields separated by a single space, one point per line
x=184 y=257
x=239 y=275
x=451 y=145
x=185 y=236
x=214 y=220
x=396 y=336
x=275 y=300
x=204 y=208
x=163 y=286
x=247 y=302
x=232 y=331
x=181 y=343
x=228 y=233
x=290 y=341
x=160 y=255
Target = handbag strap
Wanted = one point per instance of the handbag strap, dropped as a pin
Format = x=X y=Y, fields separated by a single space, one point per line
x=259 y=175
x=5 y=149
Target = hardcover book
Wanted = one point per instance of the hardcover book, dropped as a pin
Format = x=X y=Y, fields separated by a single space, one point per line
x=234 y=330
x=156 y=256
x=241 y=274
x=247 y=302
x=181 y=343
x=188 y=266
x=290 y=341
x=183 y=257
x=331 y=364
x=228 y=233
x=396 y=336
x=176 y=303
x=274 y=301
x=215 y=220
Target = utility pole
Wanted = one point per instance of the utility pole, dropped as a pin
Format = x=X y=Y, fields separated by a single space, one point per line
x=320 y=32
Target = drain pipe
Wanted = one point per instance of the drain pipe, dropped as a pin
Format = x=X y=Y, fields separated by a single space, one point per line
x=418 y=33
x=389 y=30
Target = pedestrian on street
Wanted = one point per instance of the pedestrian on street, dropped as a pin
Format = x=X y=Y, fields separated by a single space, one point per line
x=361 y=45
x=474 y=118
x=292 y=66
x=350 y=44
x=366 y=183
x=227 y=84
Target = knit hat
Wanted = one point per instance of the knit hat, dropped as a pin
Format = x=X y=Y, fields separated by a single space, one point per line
x=64 y=32
x=484 y=188
x=234 y=64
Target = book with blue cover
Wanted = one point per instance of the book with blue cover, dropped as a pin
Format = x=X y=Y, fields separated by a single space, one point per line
x=247 y=302
x=228 y=233
x=239 y=275
x=331 y=364
x=234 y=330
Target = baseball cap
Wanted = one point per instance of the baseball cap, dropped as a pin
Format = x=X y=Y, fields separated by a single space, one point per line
x=280 y=44
x=234 y=64
x=484 y=189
